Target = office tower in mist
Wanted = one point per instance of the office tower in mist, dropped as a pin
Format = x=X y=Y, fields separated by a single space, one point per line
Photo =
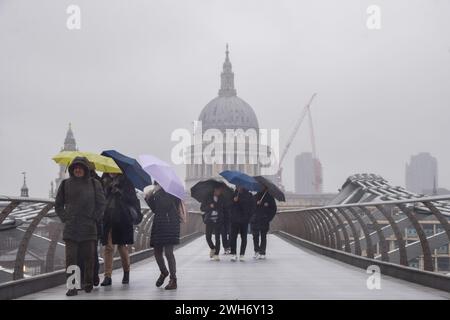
x=308 y=174
x=421 y=173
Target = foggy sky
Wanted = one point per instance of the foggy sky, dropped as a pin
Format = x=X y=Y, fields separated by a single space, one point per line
x=137 y=70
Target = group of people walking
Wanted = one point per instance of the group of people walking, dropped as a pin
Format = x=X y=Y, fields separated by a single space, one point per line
x=230 y=219
x=105 y=209
x=95 y=208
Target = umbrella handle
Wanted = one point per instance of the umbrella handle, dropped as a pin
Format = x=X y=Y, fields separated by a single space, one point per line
x=263 y=196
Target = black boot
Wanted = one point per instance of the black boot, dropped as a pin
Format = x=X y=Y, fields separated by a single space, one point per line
x=72 y=292
x=172 y=284
x=106 y=282
x=88 y=289
x=161 y=279
x=96 y=280
x=126 y=277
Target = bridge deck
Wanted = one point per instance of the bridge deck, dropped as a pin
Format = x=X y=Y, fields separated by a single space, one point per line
x=287 y=273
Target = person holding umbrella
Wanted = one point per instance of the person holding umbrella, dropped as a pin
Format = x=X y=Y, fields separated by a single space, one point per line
x=265 y=210
x=213 y=217
x=242 y=209
x=165 y=233
x=117 y=222
x=166 y=202
x=80 y=203
x=214 y=196
x=99 y=225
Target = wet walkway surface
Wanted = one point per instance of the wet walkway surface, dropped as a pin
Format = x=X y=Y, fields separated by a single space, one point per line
x=289 y=272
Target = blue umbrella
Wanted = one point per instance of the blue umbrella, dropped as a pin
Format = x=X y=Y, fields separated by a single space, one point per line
x=241 y=179
x=131 y=168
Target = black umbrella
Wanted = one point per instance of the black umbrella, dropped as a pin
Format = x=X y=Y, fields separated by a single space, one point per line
x=203 y=189
x=271 y=188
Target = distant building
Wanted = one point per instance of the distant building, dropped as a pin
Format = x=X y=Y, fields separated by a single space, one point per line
x=69 y=145
x=24 y=189
x=421 y=173
x=436 y=192
x=226 y=111
x=308 y=174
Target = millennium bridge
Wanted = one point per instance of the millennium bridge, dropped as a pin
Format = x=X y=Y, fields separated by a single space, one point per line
x=372 y=241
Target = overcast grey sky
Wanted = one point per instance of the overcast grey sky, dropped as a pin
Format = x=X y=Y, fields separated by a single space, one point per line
x=137 y=70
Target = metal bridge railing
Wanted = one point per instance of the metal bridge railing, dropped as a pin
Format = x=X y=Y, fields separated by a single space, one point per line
x=392 y=231
x=27 y=220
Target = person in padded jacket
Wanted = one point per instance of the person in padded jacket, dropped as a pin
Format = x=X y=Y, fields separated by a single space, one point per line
x=80 y=203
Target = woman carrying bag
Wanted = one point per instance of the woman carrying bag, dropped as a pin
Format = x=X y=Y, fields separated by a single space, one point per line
x=118 y=230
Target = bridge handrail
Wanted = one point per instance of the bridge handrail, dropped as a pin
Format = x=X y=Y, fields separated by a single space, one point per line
x=193 y=225
x=363 y=229
x=373 y=203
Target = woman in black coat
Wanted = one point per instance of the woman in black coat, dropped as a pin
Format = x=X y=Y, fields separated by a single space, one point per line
x=117 y=222
x=165 y=232
x=266 y=208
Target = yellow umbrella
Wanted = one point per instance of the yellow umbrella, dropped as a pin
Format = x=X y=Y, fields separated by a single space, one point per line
x=101 y=163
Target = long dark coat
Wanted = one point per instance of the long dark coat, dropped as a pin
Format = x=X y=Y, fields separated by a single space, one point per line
x=166 y=222
x=243 y=209
x=264 y=212
x=120 y=194
x=80 y=203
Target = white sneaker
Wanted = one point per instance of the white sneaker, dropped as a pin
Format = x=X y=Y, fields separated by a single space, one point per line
x=211 y=253
x=234 y=258
x=262 y=257
x=216 y=257
x=256 y=256
x=241 y=258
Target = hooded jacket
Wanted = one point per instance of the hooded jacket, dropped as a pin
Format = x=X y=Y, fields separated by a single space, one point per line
x=80 y=203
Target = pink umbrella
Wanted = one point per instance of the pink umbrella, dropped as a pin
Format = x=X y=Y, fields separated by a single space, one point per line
x=164 y=174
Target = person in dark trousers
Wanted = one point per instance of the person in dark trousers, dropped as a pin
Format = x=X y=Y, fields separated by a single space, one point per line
x=117 y=223
x=241 y=211
x=165 y=233
x=213 y=218
x=96 y=276
x=225 y=229
x=266 y=208
x=80 y=203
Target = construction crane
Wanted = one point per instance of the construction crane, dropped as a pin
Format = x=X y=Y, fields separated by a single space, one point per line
x=317 y=166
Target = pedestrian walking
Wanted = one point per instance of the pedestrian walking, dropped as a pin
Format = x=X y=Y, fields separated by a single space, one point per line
x=265 y=211
x=213 y=209
x=118 y=223
x=165 y=233
x=80 y=203
x=242 y=209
